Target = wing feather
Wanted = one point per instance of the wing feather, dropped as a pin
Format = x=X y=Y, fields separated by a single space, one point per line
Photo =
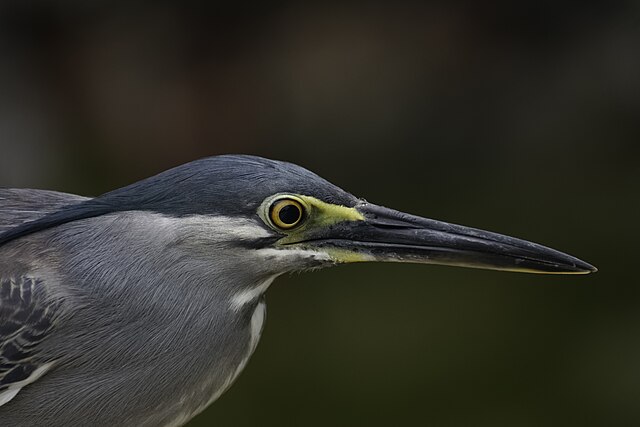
x=26 y=317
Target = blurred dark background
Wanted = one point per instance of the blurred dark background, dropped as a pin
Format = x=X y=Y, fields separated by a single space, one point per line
x=518 y=117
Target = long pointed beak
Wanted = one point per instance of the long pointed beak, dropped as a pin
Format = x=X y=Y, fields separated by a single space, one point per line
x=389 y=235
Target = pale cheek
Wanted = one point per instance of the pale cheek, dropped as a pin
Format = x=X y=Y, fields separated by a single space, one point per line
x=285 y=260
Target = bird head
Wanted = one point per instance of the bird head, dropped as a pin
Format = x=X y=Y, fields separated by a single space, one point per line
x=288 y=218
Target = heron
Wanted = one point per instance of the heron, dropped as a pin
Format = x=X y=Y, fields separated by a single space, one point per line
x=141 y=306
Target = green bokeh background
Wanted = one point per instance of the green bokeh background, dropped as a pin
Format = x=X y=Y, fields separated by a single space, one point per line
x=516 y=117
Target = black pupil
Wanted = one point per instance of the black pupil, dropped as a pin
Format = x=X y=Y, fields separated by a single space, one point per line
x=289 y=214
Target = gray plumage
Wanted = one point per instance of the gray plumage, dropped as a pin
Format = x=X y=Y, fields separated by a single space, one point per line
x=141 y=306
x=158 y=327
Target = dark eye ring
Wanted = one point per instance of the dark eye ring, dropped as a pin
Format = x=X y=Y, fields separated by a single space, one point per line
x=286 y=213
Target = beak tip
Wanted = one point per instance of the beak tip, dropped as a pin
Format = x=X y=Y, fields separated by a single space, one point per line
x=585 y=268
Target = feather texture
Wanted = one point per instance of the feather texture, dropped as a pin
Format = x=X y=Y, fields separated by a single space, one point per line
x=21 y=205
x=140 y=306
x=26 y=320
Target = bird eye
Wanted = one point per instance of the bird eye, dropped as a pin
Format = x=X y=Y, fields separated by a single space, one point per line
x=286 y=213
